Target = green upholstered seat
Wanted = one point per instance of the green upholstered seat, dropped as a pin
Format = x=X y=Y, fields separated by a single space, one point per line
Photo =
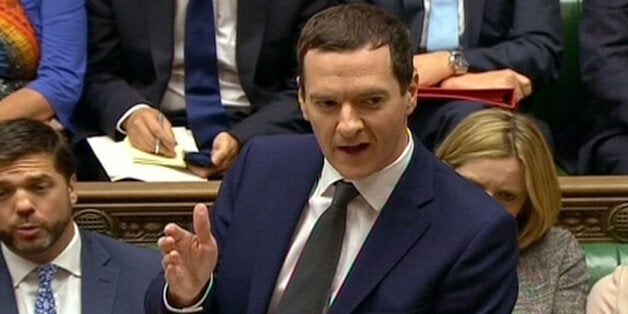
x=602 y=258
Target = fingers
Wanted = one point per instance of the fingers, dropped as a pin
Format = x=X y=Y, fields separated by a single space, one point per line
x=225 y=149
x=525 y=84
x=201 y=224
x=150 y=133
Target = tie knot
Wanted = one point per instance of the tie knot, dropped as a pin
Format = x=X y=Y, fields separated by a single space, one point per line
x=344 y=193
x=46 y=272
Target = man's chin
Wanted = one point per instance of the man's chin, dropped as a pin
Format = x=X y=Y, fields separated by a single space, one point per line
x=31 y=247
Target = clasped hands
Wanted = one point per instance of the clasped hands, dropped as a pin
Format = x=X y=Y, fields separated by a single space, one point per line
x=144 y=128
x=189 y=259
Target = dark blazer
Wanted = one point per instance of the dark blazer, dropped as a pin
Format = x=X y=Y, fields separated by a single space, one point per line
x=523 y=35
x=603 y=39
x=131 y=51
x=115 y=276
x=440 y=245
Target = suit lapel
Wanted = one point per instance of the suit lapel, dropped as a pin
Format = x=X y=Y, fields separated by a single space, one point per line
x=160 y=24
x=99 y=281
x=7 y=296
x=474 y=11
x=284 y=210
x=251 y=27
x=397 y=229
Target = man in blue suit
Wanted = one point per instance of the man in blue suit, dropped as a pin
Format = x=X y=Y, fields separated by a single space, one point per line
x=418 y=238
x=45 y=260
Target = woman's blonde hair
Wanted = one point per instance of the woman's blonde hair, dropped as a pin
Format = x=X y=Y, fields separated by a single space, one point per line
x=497 y=133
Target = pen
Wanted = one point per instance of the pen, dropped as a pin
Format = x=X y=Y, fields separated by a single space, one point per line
x=157 y=140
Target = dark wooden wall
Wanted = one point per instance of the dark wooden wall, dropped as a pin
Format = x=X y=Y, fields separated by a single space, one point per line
x=595 y=209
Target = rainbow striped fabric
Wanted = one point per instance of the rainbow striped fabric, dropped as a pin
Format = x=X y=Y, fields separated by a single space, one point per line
x=19 y=47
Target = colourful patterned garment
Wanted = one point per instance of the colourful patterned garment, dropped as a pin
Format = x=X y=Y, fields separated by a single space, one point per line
x=19 y=48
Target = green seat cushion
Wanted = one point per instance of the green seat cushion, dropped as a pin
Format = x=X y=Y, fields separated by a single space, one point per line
x=603 y=258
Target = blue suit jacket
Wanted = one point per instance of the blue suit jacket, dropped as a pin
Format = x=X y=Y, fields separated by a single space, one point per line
x=524 y=35
x=439 y=245
x=115 y=276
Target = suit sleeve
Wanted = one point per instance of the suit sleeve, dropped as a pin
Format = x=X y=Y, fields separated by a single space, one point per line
x=532 y=46
x=108 y=95
x=604 y=55
x=490 y=258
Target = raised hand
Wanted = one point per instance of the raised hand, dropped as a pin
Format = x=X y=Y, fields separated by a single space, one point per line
x=189 y=259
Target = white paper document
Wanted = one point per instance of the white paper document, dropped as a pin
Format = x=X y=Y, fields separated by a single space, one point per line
x=121 y=161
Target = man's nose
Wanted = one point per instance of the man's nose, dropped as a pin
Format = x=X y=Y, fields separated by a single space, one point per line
x=23 y=203
x=349 y=120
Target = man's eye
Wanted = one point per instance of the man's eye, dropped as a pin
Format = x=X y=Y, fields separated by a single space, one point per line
x=326 y=104
x=374 y=101
x=42 y=188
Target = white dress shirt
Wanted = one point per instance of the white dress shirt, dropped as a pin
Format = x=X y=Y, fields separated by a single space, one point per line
x=362 y=213
x=231 y=92
x=66 y=284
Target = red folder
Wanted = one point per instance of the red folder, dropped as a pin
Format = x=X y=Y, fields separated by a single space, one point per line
x=498 y=97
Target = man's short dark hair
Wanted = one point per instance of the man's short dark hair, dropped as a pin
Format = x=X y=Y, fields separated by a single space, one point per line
x=20 y=138
x=354 y=26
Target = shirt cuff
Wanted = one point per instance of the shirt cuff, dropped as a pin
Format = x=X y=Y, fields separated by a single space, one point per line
x=196 y=307
x=127 y=114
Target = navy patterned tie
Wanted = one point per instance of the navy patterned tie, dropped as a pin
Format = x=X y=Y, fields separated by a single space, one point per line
x=45 y=302
x=205 y=113
x=308 y=289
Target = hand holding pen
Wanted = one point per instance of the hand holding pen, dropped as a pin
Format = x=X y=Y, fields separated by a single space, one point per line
x=149 y=131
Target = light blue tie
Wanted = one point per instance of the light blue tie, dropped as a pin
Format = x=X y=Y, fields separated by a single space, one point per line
x=442 y=29
x=45 y=303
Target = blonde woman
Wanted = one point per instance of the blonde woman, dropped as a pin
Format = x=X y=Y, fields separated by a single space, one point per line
x=505 y=154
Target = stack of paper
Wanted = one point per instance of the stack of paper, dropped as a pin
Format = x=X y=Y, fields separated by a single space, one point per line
x=121 y=161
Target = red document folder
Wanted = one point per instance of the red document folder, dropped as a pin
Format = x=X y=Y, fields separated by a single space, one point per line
x=498 y=97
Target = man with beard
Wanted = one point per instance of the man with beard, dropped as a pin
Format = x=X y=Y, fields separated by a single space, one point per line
x=47 y=264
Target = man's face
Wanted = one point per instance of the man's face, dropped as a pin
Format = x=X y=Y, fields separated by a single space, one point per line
x=356 y=108
x=35 y=208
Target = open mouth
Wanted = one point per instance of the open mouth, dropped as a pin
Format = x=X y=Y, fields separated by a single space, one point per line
x=354 y=149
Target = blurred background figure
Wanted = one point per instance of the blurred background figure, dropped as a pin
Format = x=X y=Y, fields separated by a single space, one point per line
x=43 y=49
x=603 y=42
x=610 y=294
x=474 y=44
x=505 y=154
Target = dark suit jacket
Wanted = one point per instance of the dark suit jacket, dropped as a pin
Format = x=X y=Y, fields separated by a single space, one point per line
x=131 y=51
x=523 y=35
x=603 y=41
x=115 y=276
x=440 y=245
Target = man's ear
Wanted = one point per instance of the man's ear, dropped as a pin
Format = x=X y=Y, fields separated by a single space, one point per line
x=301 y=99
x=72 y=189
x=412 y=93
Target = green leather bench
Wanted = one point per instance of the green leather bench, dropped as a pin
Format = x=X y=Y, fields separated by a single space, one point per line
x=602 y=258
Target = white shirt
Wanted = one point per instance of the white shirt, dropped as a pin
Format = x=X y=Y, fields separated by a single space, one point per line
x=66 y=284
x=362 y=213
x=231 y=92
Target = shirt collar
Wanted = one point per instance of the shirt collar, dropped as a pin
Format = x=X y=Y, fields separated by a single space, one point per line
x=69 y=260
x=377 y=187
